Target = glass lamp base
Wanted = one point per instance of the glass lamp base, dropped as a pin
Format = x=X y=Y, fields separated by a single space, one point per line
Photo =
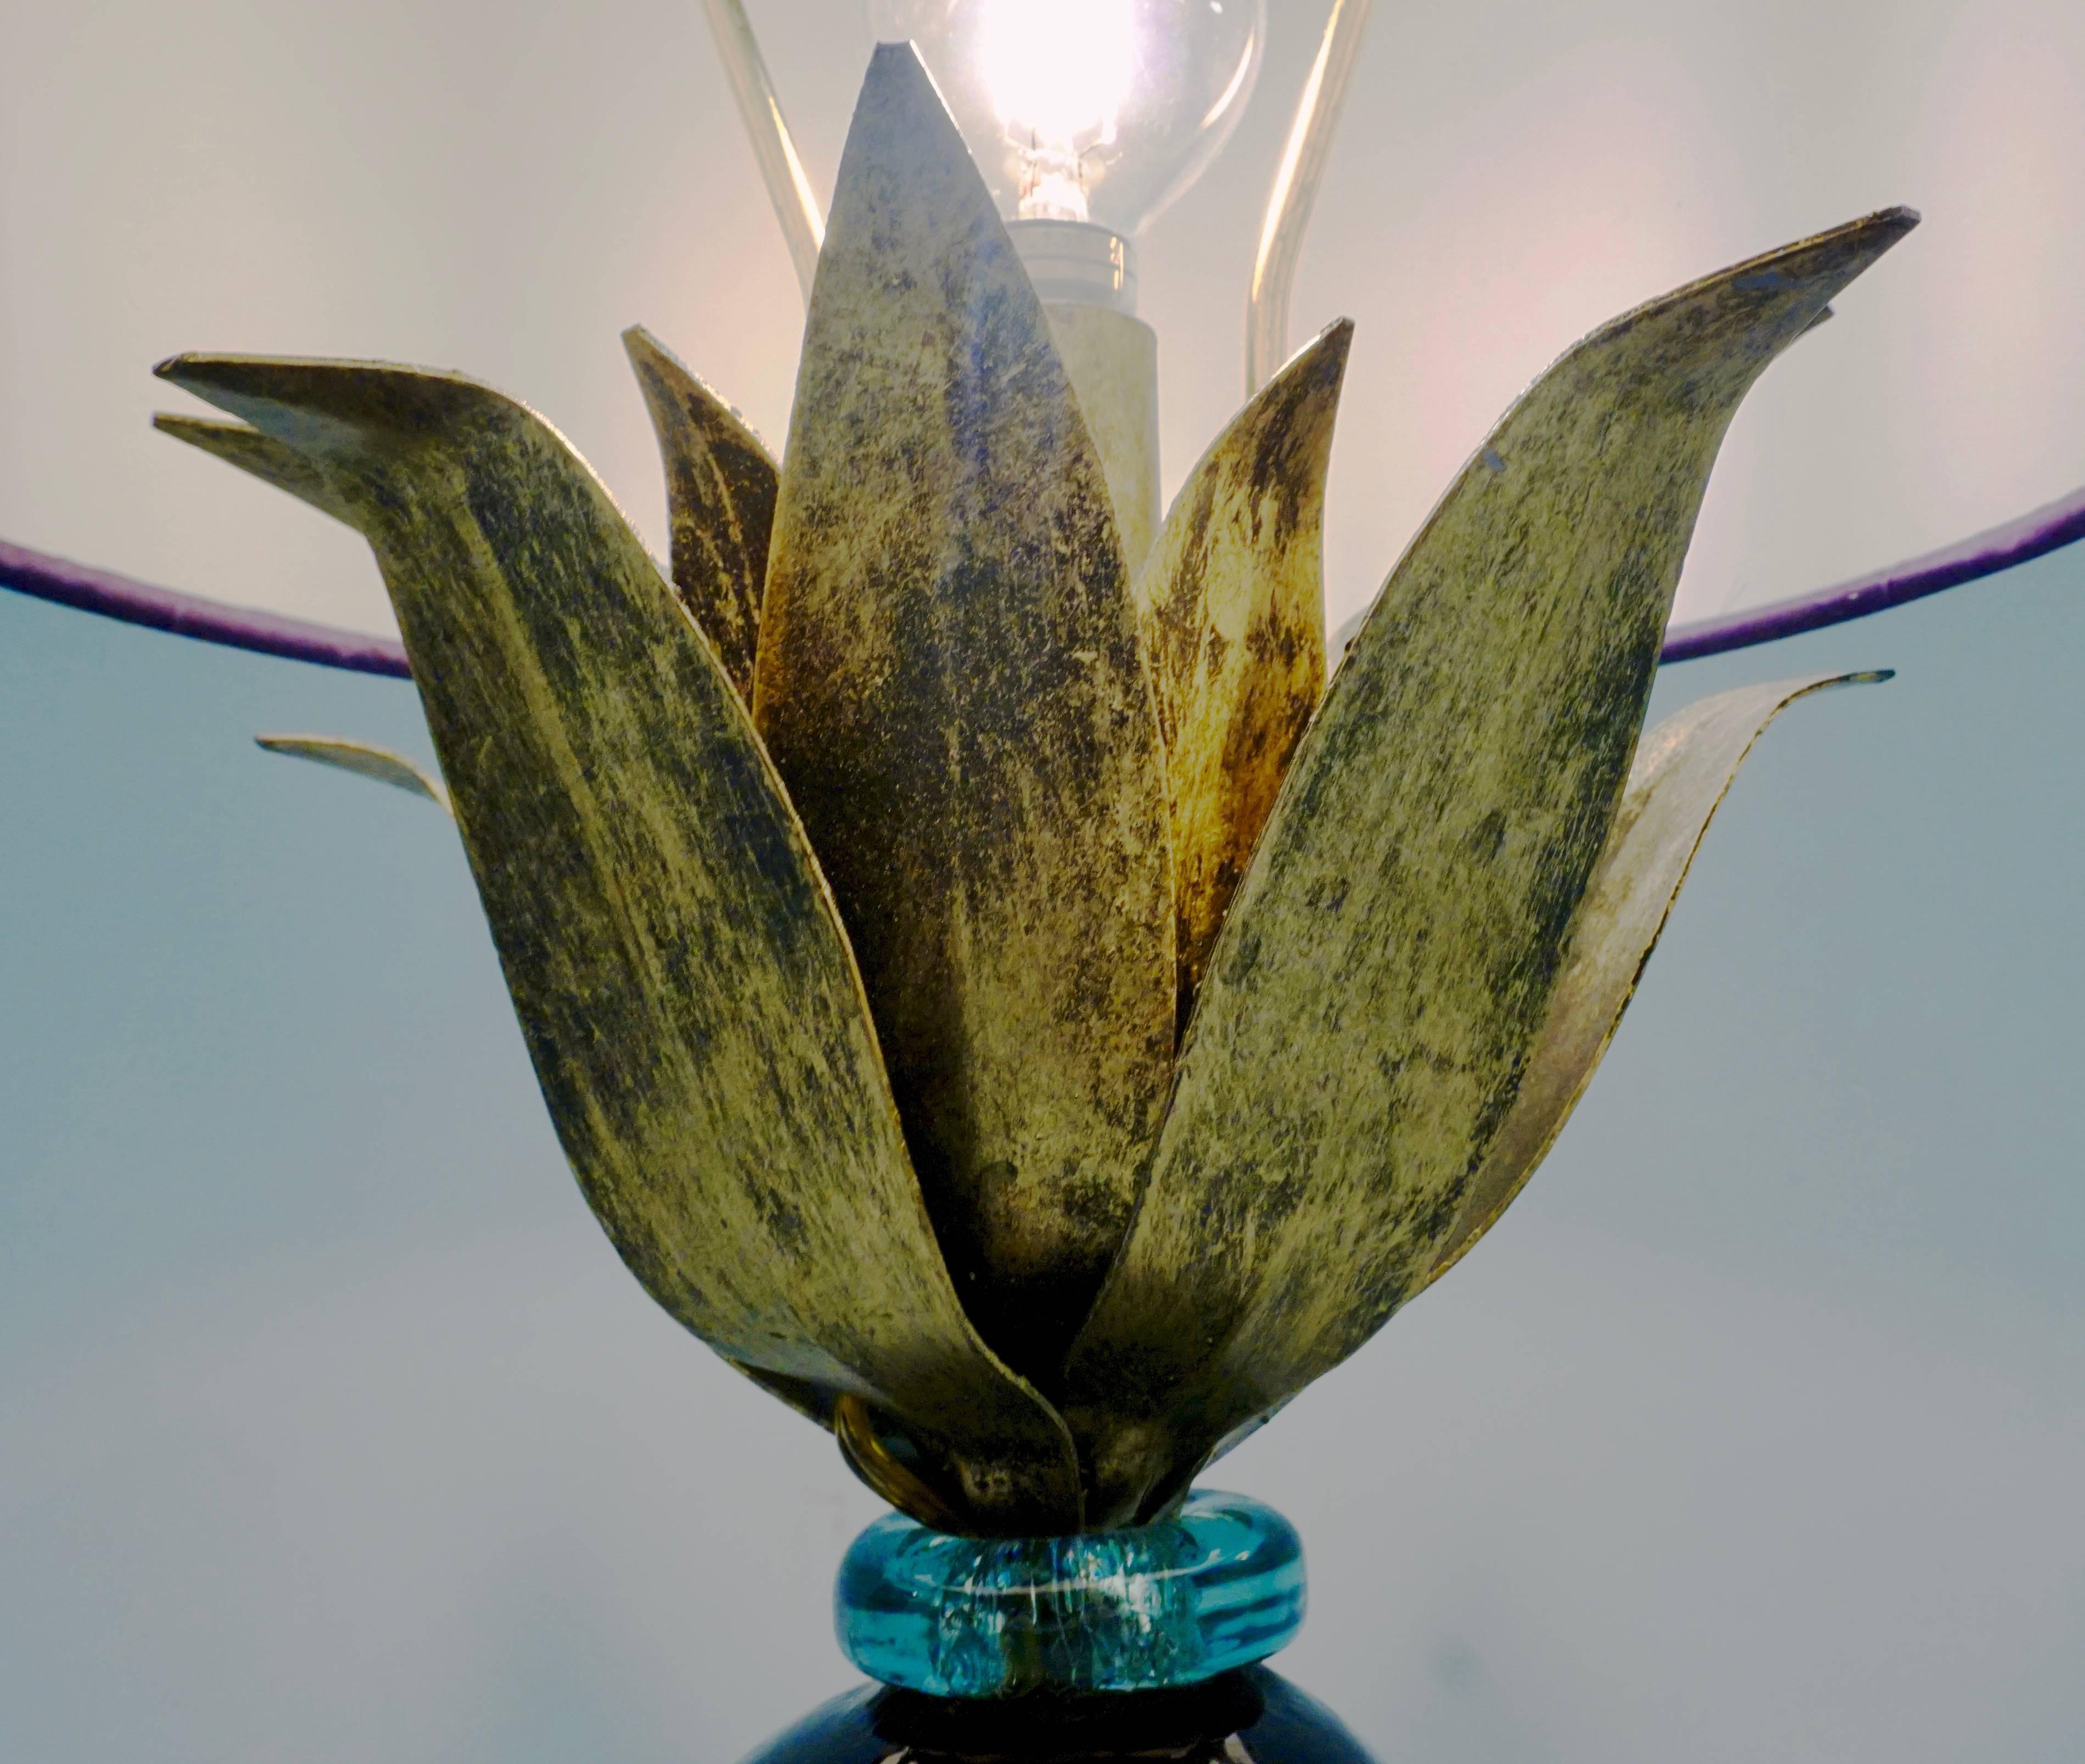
x=1251 y=1716
x=1217 y=1586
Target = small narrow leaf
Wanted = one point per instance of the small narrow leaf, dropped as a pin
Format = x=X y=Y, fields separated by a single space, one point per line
x=1233 y=612
x=950 y=684
x=719 y=503
x=1391 y=955
x=242 y=445
x=1682 y=773
x=364 y=761
x=681 y=976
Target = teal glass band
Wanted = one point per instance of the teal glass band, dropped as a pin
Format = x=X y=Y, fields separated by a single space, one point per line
x=1217 y=1586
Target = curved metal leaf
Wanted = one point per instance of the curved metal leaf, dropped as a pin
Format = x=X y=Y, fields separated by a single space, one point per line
x=364 y=761
x=719 y=503
x=1233 y=612
x=680 y=973
x=1682 y=773
x=950 y=684
x=241 y=444
x=1391 y=953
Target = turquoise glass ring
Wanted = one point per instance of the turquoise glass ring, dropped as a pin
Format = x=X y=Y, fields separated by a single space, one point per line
x=1217 y=1586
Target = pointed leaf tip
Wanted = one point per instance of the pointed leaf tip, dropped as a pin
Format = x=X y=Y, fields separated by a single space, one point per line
x=721 y=489
x=682 y=982
x=1389 y=957
x=950 y=680
x=338 y=413
x=364 y=761
x=1683 y=771
x=1231 y=609
x=272 y=461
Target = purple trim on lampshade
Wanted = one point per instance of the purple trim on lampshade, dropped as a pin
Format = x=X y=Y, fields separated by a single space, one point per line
x=2048 y=528
x=189 y=615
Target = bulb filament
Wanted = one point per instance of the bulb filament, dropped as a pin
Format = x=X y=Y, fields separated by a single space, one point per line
x=1059 y=72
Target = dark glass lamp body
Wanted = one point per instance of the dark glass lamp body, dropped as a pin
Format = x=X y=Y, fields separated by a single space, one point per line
x=1250 y=1716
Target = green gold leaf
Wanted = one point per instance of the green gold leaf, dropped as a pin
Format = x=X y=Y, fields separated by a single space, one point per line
x=239 y=444
x=680 y=973
x=1233 y=612
x=950 y=684
x=360 y=758
x=720 y=501
x=1391 y=955
x=1681 y=772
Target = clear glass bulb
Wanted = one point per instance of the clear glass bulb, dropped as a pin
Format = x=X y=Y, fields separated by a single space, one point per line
x=1086 y=110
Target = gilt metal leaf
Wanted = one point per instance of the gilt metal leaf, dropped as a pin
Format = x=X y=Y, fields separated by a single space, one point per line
x=681 y=975
x=950 y=684
x=719 y=503
x=1233 y=612
x=1391 y=955
x=1682 y=773
x=363 y=760
x=242 y=445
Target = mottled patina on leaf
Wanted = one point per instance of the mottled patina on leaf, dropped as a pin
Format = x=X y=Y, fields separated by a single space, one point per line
x=1681 y=772
x=1391 y=954
x=1057 y=819
x=950 y=683
x=1232 y=608
x=720 y=484
x=681 y=975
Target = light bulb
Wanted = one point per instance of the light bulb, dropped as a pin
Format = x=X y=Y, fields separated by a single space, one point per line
x=1099 y=111
x=1086 y=117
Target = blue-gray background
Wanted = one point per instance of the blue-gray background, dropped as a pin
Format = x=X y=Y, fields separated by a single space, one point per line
x=330 y=1428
